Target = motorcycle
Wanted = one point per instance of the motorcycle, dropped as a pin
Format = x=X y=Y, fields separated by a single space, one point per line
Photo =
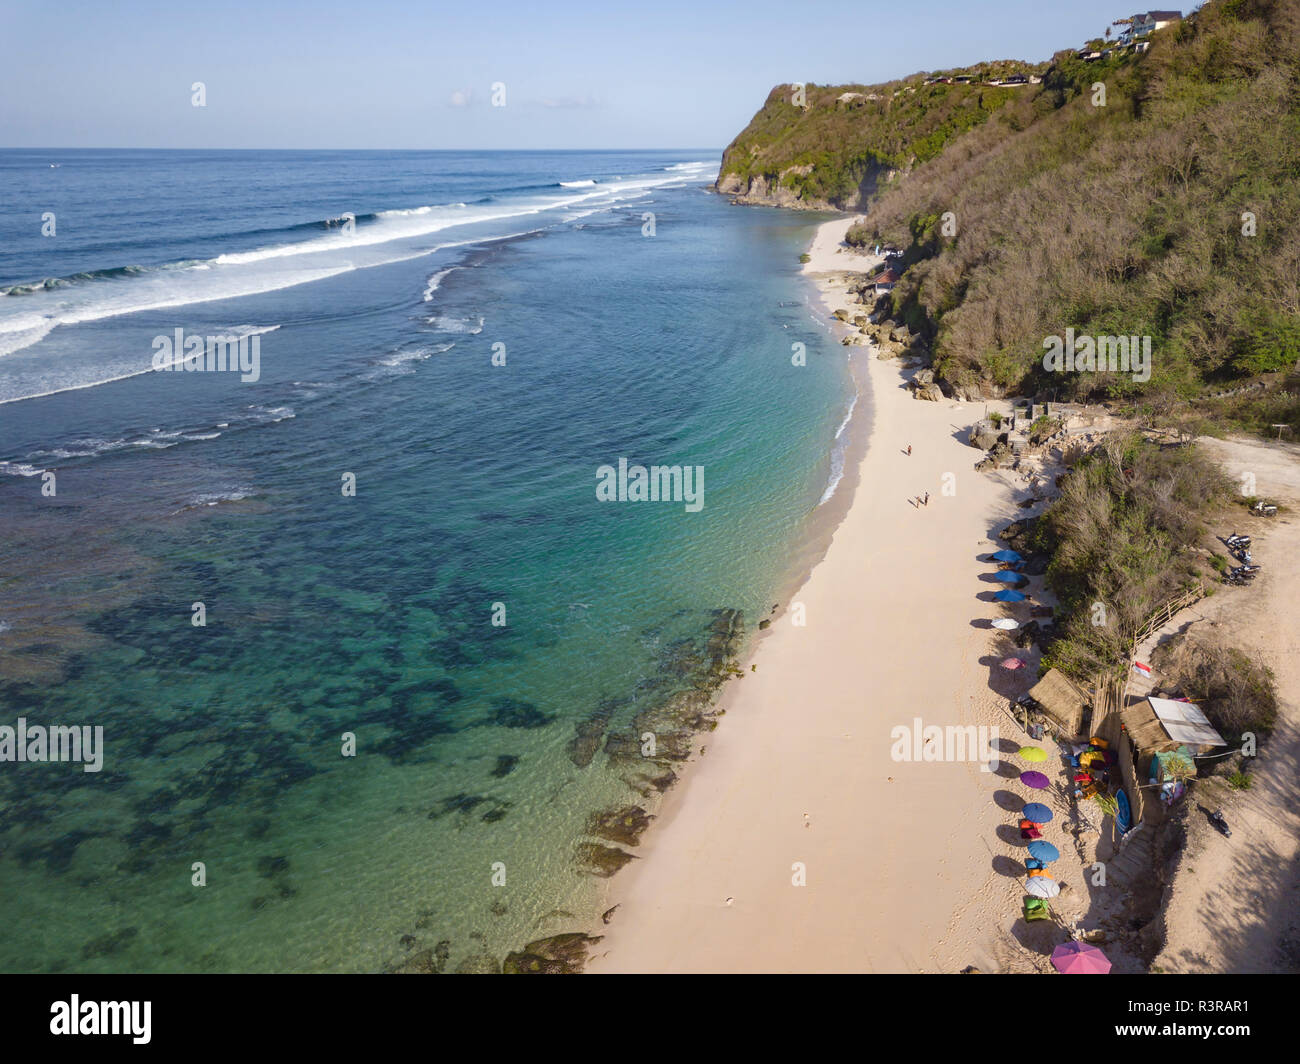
x=1220 y=825
x=1264 y=509
x=1241 y=554
x=1235 y=540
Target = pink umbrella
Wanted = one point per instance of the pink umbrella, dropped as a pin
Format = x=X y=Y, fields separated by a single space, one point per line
x=1080 y=958
x=1034 y=779
x=1012 y=663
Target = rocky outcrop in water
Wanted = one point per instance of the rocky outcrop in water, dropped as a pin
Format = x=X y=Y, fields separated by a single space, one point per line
x=597 y=859
x=558 y=955
x=589 y=733
x=623 y=826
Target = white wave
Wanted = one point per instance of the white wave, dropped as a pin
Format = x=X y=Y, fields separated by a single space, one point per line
x=76 y=387
x=436 y=280
x=272 y=414
x=473 y=326
x=20 y=469
x=256 y=271
x=5 y=626
x=214 y=498
x=18 y=333
x=838 y=452
x=414 y=354
x=408 y=212
x=578 y=184
x=92 y=447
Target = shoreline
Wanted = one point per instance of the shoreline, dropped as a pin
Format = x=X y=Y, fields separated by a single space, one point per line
x=896 y=856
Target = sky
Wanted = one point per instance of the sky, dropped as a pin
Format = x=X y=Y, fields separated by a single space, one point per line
x=378 y=74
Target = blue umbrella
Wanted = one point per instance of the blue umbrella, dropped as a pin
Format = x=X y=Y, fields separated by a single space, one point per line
x=1037 y=812
x=1006 y=577
x=1006 y=556
x=1043 y=851
x=1009 y=595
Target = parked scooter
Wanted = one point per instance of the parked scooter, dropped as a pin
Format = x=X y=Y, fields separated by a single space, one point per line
x=1235 y=540
x=1264 y=509
x=1241 y=554
x=1220 y=825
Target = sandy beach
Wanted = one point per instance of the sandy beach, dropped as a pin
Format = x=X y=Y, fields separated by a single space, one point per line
x=899 y=859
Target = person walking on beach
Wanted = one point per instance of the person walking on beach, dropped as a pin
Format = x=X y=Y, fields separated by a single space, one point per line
x=909 y=450
x=927 y=499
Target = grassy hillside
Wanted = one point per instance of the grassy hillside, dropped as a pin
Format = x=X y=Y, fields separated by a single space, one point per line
x=1171 y=212
x=848 y=136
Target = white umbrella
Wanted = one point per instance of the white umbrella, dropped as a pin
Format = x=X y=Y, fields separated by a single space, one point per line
x=1042 y=887
x=1007 y=624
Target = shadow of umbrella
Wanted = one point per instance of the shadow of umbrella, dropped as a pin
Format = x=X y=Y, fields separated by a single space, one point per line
x=1042 y=936
x=1009 y=801
x=1010 y=834
x=1008 y=866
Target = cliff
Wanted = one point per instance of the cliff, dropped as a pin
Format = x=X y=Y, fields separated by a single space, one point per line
x=834 y=147
x=1140 y=195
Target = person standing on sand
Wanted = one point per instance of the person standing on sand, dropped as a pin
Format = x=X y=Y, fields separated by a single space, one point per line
x=909 y=450
x=927 y=499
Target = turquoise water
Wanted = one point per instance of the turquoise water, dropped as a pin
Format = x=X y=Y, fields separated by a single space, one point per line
x=480 y=748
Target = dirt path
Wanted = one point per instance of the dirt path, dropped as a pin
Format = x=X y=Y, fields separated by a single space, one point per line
x=1235 y=903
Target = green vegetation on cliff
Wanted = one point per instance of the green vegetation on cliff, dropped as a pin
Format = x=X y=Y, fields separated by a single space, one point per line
x=1119 y=535
x=1168 y=209
x=843 y=136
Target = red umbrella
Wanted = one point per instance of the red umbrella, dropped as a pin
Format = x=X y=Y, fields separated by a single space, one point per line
x=1012 y=663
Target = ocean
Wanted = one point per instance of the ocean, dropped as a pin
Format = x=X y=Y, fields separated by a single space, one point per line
x=374 y=663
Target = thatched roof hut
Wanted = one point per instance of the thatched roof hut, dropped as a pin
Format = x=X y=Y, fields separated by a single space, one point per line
x=1062 y=700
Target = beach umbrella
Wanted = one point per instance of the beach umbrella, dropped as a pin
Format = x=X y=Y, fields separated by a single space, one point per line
x=1080 y=958
x=1037 y=812
x=1036 y=780
x=1033 y=753
x=1007 y=624
x=1012 y=663
x=1008 y=594
x=1042 y=887
x=1006 y=556
x=1043 y=851
x=1008 y=577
